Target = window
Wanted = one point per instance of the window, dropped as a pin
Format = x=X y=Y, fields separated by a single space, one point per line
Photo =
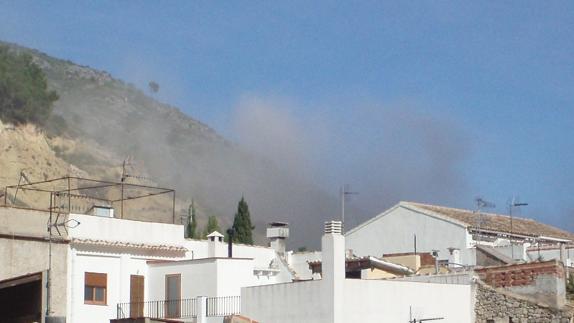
x=95 y=288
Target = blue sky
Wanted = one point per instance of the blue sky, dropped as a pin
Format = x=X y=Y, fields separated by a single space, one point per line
x=431 y=101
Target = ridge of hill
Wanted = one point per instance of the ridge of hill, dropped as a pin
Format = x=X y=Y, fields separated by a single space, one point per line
x=108 y=120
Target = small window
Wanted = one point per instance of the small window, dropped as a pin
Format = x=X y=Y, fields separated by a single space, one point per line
x=95 y=288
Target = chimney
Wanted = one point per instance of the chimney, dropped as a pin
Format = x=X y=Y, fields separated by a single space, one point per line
x=453 y=257
x=333 y=268
x=215 y=245
x=435 y=255
x=277 y=233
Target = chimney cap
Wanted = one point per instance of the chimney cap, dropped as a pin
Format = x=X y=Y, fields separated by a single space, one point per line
x=335 y=227
x=278 y=224
x=215 y=234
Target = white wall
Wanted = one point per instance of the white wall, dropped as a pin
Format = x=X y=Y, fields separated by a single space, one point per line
x=94 y=313
x=549 y=254
x=119 y=266
x=202 y=277
x=365 y=301
x=112 y=229
x=285 y=303
x=390 y=301
x=299 y=261
x=394 y=233
x=206 y=277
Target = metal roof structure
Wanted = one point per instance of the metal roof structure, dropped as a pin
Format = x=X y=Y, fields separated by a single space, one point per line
x=72 y=194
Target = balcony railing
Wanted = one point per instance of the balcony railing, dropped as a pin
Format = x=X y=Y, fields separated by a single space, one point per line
x=178 y=308
x=223 y=306
x=181 y=308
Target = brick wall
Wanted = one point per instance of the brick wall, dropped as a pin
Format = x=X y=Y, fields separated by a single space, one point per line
x=542 y=282
x=520 y=274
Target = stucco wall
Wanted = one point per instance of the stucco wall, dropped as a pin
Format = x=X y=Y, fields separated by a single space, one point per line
x=391 y=301
x=102 y=228
x=285 y=303
x=394 y=233
x=207 y=277
x=299 y=262
x=20 y=255
x=365 y=301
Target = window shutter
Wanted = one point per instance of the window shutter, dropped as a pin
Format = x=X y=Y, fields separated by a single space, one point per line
x=96 y=279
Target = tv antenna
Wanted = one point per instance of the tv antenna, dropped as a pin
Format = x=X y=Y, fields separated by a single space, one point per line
x=22 y=177
x=513 y=203
x=481 y=204
x=414 y=320
x=128 y=162
x=55 y=223
x=344 y=192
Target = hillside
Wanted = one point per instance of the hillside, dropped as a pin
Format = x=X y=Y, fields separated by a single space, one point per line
x=108 y=120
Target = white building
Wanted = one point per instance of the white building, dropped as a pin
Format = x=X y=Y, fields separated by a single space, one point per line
x=456 y=233
x=335 y=299
x=108 y=267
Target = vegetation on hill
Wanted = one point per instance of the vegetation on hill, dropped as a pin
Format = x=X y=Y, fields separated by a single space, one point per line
x=212 y=225
x=103 y=120
x=24 y=93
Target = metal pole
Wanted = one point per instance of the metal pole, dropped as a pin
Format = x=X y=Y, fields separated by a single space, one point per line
x=49 y=273
x=69 y=197
x=173 y=208
x=511 y=242
x=343 y=204
x=122 y=190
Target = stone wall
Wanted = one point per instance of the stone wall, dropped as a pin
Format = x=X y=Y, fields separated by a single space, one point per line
x=495 y=306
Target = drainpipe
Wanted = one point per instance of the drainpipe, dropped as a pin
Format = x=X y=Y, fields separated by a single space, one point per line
x=230 y=235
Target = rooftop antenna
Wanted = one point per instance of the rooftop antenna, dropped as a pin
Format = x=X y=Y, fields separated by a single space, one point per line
x=514 y=202
x=56 y=223
x=480 y=204
x=125 y=175
x=414 y=320
x=22 y=177
x=344 y=192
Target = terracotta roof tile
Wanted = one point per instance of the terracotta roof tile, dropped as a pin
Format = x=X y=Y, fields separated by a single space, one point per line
x=497 y=222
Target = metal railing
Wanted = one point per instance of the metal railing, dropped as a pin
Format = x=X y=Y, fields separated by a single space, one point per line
x=178 y=308
x=223 y=306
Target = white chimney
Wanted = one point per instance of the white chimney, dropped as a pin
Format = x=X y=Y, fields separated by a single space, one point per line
x=215 y=246
x=277 y=233
x=333 y=269
x=453 y=257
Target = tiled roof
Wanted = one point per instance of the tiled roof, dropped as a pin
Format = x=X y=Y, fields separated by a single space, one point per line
x=123 y=244
x=495 y=222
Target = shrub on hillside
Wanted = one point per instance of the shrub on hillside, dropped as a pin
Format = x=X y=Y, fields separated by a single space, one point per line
x=24 y=94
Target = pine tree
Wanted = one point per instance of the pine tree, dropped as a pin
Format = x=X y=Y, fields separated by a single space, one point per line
x=191 y=227
x=212 y=225
x=570 y=286
x=24 y=93
x=242 y=224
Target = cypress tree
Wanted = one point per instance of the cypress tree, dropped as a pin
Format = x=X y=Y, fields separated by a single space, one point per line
x=212 y=225
x=242 y=224
x=191 y=227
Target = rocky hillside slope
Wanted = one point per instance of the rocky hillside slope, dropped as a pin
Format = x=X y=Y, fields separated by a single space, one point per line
x=108 y=120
